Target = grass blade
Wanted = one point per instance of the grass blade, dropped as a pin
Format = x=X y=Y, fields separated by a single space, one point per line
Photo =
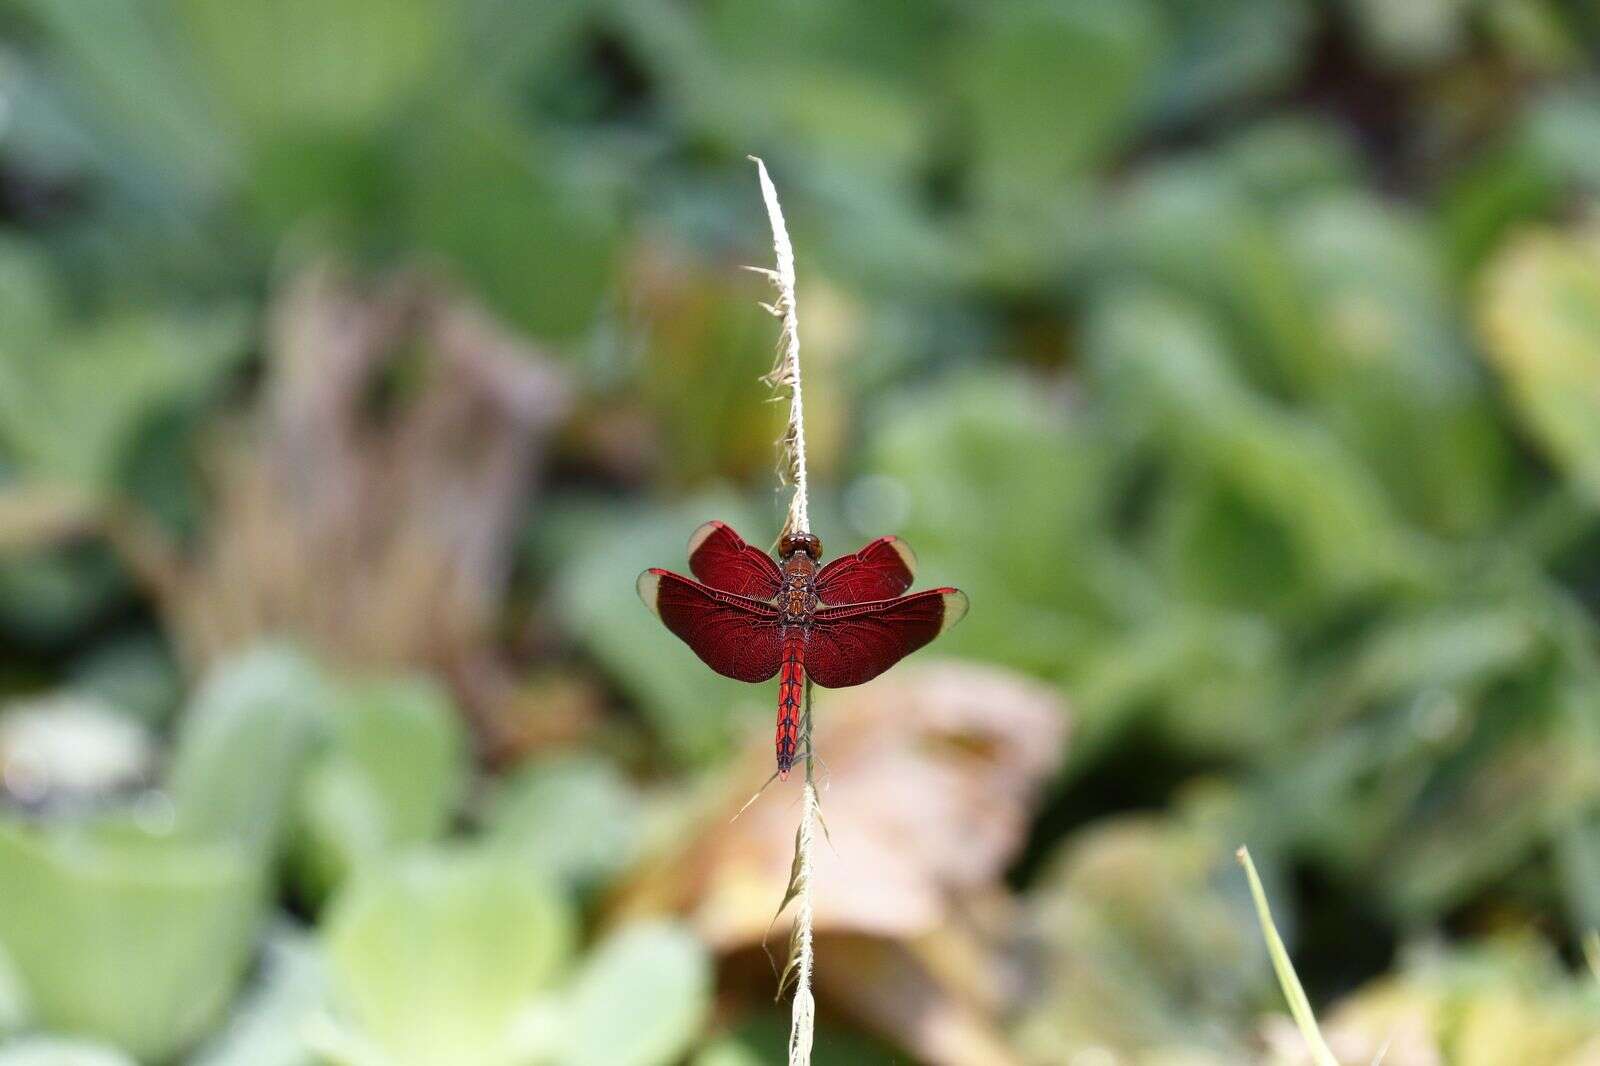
x=1299 y=1006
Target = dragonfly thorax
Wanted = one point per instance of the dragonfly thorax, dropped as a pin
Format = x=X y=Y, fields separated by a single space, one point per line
x=798 y=596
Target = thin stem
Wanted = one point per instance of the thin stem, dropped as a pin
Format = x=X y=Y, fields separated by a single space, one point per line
x=803 y=1018
x=786 y=370
x=1293 y=993
x=786 y=375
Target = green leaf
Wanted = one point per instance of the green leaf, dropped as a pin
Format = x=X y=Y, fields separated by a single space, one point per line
x=30 y=296
x=14 y=1006
x=537 y=241
x=242 y=746
x=1198 y=225
x=831 y=80
x=1299 y=1005
x=1520 y=768
x=1418 y=34
x=951 y=458
x=1562 y=132
x=576 y=819
x=1336 y=301
x=268 y=1026
x=1278 y=161
x=344 y=63
x=709 y=342
x=135 y=938
x=136 y=673
x=1397 y=384
x=392 y=773
x=1453 y=646
x=106 y=382
x=1223 y=52
x=50 y=1051
x=1540 y=317
x=1496 y=191
x=639 y=1000
x=130 y=72
x=1146 y=945
x=50 y=597
x=1018 y=67
x=1164 y=362
x=437 y=958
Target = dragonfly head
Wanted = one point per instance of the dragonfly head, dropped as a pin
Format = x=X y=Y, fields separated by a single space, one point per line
x=796 y=542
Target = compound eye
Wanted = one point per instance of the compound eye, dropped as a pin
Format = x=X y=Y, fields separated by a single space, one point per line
x=806 y=542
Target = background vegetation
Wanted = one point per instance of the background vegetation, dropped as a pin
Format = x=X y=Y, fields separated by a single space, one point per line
x=1241 y=360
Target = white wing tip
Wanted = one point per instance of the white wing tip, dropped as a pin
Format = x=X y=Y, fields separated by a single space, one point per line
x=702 y=534
x=907 y=556
x=955 y=608
x=649 y=587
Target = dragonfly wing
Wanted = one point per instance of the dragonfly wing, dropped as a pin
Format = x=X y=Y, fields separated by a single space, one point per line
x=856 y=642
x=720 y=557
x=736 y=636
x=880 y=571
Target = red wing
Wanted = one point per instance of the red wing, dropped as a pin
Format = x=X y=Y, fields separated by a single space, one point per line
x=734 y=635
x=720 y=558
x=880 y=571
x=855 y=643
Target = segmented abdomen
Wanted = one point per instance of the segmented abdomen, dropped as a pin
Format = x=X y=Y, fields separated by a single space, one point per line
x=791 y=680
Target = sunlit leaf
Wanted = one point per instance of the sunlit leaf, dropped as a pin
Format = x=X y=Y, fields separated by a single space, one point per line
x=391 y=774
x=127 y=935
x=48 y=1051
x=269 y=1022
x=1540 y=317
x=243 y=743
x=574 y=819
x=638 y=1000
x=435 y=958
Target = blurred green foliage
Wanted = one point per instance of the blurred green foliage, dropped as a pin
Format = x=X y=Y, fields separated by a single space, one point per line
x=1240 y=360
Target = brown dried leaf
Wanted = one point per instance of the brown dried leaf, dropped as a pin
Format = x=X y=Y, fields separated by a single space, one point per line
x=887 y=984
x=928 y=777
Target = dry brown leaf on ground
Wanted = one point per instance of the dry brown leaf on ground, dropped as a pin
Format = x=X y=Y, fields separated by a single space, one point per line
x=928 y=780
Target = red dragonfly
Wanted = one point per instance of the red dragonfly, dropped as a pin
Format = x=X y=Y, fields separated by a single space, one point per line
x=842 y=624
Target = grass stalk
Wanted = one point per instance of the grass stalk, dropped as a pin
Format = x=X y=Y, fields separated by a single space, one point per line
x=1299 y=1005
x=785 y=377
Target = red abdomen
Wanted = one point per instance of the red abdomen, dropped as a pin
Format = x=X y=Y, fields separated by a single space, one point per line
x=791 y=682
